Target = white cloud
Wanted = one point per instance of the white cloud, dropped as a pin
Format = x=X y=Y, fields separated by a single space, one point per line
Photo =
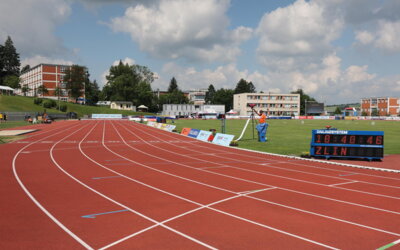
x=199 y=33
x=297 y=36
x=31 y=25
x=358 y=74
x=386 y=36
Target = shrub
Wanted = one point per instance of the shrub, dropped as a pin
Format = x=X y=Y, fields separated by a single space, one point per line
x=49 y=104
x=37 y=101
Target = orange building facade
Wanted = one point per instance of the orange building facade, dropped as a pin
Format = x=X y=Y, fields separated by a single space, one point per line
x=49 y=75
x=383 y=106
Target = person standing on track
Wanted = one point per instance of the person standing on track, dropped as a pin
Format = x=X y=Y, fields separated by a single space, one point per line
x=261 y=126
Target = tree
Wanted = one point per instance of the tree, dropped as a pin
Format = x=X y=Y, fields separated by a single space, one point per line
x=9 y=60
x=25 y=89
x=374 y=112
x=74 y=80
x=42 y=90
x=225 y=97
x=303 y=99
x=173 y=85
x=12 y=81
x=244 y=87
x=210 y=94
x=129 y=83
x=338 y=111
x=92 y=92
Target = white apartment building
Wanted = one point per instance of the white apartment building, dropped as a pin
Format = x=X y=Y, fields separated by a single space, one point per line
x=272 y=104
x=189 y=109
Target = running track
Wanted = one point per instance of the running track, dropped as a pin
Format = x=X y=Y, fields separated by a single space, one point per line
x=124 y=185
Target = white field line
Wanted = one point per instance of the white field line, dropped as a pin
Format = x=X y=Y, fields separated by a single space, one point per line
x=179 y=216
x=343 y=183
x=114 y=201
x=215 y=173
x=291 y=158
x=37 y=203
x=297 y=209
x=276 y=161
x=219 y=211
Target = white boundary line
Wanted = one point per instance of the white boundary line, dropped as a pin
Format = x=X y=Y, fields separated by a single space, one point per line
x=343 y=183
x=352 y=223
x=37 y=203
x=118 y=203
x=279 y=176
x=292 y=157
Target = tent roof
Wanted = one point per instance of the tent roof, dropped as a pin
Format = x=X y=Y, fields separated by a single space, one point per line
x=142 y=107
x=6 y=88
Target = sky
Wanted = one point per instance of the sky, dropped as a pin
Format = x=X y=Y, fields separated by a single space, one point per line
x=337 y=51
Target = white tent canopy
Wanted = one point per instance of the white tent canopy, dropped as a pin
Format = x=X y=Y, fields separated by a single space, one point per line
x=6 y=88
x=142 y=107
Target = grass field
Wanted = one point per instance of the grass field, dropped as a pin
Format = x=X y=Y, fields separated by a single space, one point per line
x=292 y=137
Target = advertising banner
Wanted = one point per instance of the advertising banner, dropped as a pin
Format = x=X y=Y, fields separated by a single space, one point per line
x=151 y=124
x=170 y=127
x=194 y=133
x=185 y=131
x=204 y=135
x=223 y=139
x=106 y=116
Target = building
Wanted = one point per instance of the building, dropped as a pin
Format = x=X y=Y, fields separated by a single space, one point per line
x=197 y=96
x=272 y=104
x=48 y=75
x=380 y=106
x=179 y=110
x=122 y=105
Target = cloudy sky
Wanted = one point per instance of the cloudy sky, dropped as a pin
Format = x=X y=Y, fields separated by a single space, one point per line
x=336 y=50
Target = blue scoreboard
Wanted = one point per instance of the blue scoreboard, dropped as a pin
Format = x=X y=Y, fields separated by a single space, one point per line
x=329 y=143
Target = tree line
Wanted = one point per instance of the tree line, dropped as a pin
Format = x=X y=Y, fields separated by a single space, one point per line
x=124 y=83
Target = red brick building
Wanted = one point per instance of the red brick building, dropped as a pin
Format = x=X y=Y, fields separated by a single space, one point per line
x=383 y=106
x=49 y=75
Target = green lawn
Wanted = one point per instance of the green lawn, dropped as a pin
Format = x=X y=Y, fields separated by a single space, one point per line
x=25 y=104
x=292 y=137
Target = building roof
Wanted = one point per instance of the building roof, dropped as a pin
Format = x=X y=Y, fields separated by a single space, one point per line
x=121 y=102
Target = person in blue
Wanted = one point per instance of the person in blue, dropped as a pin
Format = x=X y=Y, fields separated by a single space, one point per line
x=261 y=126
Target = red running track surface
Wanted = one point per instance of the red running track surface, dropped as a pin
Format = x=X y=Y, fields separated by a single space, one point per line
x=124 y=185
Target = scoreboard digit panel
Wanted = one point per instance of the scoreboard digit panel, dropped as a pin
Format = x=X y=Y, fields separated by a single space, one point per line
x=349 y=139
x=335 y=151
x=350 y=144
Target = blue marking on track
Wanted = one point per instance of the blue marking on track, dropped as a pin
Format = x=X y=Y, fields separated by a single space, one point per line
x=347 y=174
x=93 y=216
x=106 y=177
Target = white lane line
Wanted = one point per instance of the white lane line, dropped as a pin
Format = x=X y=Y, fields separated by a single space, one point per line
x=126 y=207
x=328 y=217
x=220 y=211
x=37 y=203
x=249 y=181
x=290 y=158
x=353 y=190
x=343 y=183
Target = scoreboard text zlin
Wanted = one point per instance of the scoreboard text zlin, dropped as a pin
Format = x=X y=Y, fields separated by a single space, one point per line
x=349 y=144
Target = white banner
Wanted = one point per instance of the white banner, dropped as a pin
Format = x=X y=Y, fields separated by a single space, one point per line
x=223 y=139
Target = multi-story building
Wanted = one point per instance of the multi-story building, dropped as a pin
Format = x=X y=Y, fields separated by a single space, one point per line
x=192 y=109
x=381 y=106
x=48 y=75
x=197 y=96
x=272 y=104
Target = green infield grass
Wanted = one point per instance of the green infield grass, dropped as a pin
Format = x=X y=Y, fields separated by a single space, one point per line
x=293 y=137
